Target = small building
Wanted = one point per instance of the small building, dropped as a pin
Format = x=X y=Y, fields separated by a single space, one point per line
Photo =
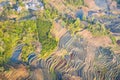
x=34 y=5
x=41 y=5
x=17 y=8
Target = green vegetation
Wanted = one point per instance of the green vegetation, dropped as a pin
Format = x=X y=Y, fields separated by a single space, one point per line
x=75 y=27
x=48 y=42
x=75 y=2
x=67 y=20
x=50 y=12
x=12 y=34
x=113 y=39
x=98 y=29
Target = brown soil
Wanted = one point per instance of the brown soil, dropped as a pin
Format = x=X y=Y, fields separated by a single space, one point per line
x=91 y=4
x=58 y=31
x=17 y=74
x=60 y=52
x=96 y=41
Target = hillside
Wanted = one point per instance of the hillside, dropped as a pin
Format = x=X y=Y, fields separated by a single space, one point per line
x=59 y=39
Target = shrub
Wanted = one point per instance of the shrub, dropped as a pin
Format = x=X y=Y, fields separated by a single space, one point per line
x=14 y=33
x=98 y=29
x=48 y=43
x=75 y=2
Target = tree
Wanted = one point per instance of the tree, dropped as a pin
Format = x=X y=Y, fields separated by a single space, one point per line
x=48 y=43
x=76 y=26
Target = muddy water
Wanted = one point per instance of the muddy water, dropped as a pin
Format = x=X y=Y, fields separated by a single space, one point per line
x=101 y=3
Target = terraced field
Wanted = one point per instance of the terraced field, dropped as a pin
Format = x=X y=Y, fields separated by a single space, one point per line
x=64 y=41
